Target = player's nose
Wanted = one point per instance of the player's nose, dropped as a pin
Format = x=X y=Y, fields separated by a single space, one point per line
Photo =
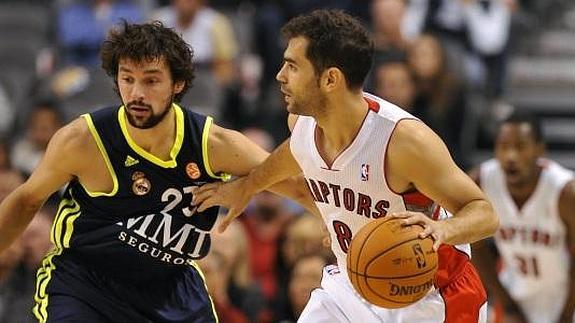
x=280 y=76
x=137 y=93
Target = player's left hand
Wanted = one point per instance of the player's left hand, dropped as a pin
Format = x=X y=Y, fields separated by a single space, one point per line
x=435 y=229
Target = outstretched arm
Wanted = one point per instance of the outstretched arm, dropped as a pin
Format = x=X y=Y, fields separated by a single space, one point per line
x=233 y=153
x=56 y=168
x=417 y=158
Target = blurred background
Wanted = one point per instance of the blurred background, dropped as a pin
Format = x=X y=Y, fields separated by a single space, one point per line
x=459 y=65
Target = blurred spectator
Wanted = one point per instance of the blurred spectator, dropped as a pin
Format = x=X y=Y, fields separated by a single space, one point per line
x=395 y=83
x=21 y=286
x=264 y=220
x=241 y=291
x=36 y=239
x=9 y=177
x=260 y=137
x=82 y=26
x=440 y=102
x=474 y=33
x=488 y=30
x=387 y=21
x=6 y=111
x=304 y=235
x=9 y=260
x=5 y=162
x=217 y=274
x=304 y=278
x=208 y=31
x=44 y=120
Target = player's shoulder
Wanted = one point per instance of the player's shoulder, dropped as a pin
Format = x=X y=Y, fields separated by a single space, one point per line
x=412 y=132
x=554 y=168
x=74 y=134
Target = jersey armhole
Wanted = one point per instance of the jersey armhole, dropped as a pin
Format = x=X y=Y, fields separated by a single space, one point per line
x=104 y=154
x=205 y=135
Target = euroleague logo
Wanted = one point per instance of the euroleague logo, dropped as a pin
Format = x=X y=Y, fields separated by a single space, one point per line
x=193 y=170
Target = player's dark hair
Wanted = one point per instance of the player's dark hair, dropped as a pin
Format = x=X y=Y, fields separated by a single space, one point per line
x=518 y=117
x=147 y=42
x=336 y=39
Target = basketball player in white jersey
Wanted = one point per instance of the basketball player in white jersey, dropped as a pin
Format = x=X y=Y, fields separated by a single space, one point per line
x=534 y=198
x=364 y=159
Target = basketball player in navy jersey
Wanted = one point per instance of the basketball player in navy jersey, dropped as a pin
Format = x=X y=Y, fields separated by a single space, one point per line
x=125 y=235
x=364 y=159
x=535 y=200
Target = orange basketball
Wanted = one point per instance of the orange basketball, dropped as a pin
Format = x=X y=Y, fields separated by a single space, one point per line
x=389 y=265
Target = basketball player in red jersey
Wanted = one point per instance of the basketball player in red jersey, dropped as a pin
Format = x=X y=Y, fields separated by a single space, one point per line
x=363 y=159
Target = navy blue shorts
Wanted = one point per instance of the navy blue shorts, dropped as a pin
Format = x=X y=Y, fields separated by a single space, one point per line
x=69 y=292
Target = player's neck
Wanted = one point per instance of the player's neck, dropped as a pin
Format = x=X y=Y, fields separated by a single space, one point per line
x=157 y=140
x=521 y=193
x=342 y=120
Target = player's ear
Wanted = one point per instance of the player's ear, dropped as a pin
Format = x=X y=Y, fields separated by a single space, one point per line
x=332 y=78
x=179 y=86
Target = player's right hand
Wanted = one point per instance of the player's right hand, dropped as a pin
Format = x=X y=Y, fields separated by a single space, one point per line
x=232 y=195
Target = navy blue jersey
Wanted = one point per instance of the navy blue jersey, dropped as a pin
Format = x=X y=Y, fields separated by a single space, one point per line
x=144 y=231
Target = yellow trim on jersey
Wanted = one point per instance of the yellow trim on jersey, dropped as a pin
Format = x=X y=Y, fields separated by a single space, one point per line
x=68 y=212
x=199 y=270
x=104 y=153
x=205 y=135
x=140 y=151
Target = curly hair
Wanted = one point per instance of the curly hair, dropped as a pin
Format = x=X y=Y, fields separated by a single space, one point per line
x=336 y=39
x=146 y=42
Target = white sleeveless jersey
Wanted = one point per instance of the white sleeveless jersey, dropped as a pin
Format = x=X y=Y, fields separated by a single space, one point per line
x=353 y=191
x=532 y=240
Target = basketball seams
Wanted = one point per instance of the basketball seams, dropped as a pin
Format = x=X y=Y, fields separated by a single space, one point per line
x=360 y=251
x=395 y=277
x=360 y=278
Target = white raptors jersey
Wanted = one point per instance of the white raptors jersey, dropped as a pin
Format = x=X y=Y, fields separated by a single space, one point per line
x=353 y=190
x=530 y=240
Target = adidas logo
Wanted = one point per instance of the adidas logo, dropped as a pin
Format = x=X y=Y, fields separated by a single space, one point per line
x=130 y=161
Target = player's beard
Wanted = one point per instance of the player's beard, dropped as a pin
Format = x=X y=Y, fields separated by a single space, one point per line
x=312 y=105
x=150 y=121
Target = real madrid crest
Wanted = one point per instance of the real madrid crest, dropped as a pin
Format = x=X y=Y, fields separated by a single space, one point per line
x=193 y=170
x=141 y=185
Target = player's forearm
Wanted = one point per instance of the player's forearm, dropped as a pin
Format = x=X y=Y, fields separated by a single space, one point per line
x=475 y=221
x=16 y=211
x=279 y=166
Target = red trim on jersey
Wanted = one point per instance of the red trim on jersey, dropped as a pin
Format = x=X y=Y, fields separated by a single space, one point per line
x=435 y=215
x=416 y=198
x=372 y=104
